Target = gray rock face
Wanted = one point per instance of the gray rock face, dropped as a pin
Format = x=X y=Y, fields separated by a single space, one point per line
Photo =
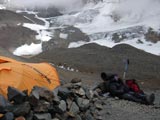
x=64 y=36
x=12 y=18
x=14 y=39
x=49 y=12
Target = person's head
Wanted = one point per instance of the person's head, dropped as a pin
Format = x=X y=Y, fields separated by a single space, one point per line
x=104 y=76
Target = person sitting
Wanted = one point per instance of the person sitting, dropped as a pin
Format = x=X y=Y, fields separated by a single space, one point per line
x=128 y=91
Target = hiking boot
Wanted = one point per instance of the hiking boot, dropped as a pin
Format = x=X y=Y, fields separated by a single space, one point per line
x=150 y=99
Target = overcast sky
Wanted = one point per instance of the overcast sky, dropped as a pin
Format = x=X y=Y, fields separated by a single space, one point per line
x=45 y=3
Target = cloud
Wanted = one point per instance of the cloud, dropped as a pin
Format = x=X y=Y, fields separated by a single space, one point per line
x=64 y=4
x=137 y=9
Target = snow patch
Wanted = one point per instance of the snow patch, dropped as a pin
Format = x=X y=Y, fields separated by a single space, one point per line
x=32 y=49
x=76 y=44
x=63 y=35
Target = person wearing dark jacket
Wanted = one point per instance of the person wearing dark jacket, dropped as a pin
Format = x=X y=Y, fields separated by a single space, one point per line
x=118 y=89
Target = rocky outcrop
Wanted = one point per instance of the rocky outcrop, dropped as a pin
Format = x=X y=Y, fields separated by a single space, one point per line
x=48 y=12
x=64 y=36
x=152 y=36
x=11 y=18
x=11 y=37
x=71 y=101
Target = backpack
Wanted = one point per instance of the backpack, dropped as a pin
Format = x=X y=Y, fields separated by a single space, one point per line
x=133 y=86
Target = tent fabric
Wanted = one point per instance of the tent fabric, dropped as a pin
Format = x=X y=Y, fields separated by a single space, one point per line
x=23 y=76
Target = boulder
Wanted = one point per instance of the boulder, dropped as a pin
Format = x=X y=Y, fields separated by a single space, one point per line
x=83 y=104
x=98 y=105
x=15 y=95
x=42 y=107
x=74 y=109
x=42 y=93
x=89 y=93
x=46 y=94
x=62 y=106
x=80 y=92
x=89 y=116
x=3 y=101
x=64 y=93
x=42 y=116
x=22 y=109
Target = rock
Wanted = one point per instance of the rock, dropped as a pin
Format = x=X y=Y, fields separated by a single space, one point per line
x=80 y=92
x=98 y=105
x=49 y=12
x=83 y=104
x=22 y=109
x=89 y=93
x=33 y=100
x=74 y=109
x=55 y=119
x=77 y=117
x=76 y=80
x=4 y=102
x=62 y=116
x=69 y=102
x=20 y=118
x=72 y=34
x=96 y=92
x=99 y=118
x=42 y=106
x=53 y=109
x=62 y=106
x=46 y=94
x=88 y=116
x=43 y=93
x=76 y=85
x=15 y=95
x=30 y=115
x=43 y=116
x=152 y=35
x=8 y=116
x=64 y=93
x=35 y=92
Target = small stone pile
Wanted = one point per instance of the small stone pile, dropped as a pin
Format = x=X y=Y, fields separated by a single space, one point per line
x=70 y=101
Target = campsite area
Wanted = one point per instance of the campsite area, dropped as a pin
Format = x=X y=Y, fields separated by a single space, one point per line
x=76 y=66
x=79 y=54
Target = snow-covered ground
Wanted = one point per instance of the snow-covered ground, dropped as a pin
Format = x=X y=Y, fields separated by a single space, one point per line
x=104 y=17
x=115 y=15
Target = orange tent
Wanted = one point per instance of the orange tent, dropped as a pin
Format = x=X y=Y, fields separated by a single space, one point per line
x=24 y=76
